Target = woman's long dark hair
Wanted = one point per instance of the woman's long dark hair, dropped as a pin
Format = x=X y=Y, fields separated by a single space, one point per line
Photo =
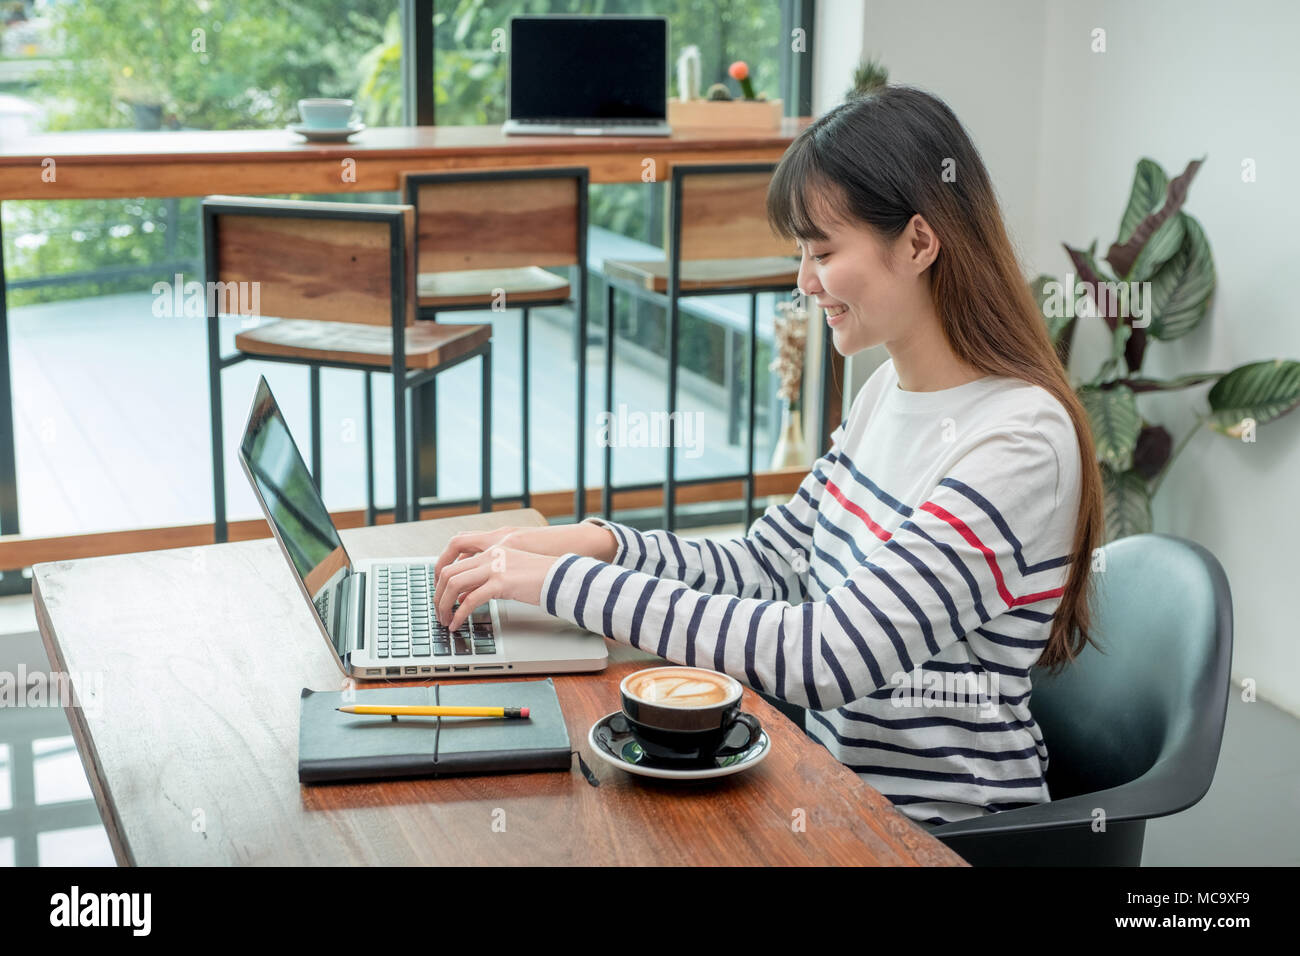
x=880 y=159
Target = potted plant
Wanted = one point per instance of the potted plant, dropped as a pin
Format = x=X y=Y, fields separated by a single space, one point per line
x=718 y=108
x=1160 y=282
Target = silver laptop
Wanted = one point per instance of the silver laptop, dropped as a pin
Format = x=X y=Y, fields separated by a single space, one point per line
x=377 y=615
x=588 y=76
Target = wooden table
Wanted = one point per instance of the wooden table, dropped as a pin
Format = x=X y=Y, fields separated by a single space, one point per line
x=194 y=659
x=106 y=164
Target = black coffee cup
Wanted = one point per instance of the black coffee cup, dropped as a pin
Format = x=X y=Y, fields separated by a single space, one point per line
x=686 y=714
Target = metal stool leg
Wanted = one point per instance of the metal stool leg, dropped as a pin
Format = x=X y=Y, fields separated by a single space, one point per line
x=219 y=531
x=580 y=478
x=400 y=502
x=316 y=455
x=732 y=339
x=429 y=400
x=749 y=441
x=416 y=425
x=670 y=483
x=432 y=408
x=607 y=493
x=370 y=452
x=485 y=438
x=524 y=410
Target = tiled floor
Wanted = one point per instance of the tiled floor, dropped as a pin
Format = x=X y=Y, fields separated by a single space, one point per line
x=1250 y=817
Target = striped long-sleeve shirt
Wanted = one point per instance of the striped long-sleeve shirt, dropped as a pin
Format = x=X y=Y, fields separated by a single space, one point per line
x=902 y=595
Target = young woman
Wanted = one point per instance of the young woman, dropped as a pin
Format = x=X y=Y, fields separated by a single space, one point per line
x=936 y=552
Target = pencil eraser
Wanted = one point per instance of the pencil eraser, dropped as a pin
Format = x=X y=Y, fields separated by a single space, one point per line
x=523 y=711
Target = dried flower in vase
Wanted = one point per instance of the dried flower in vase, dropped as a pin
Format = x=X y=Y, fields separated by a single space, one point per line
x=791 y=325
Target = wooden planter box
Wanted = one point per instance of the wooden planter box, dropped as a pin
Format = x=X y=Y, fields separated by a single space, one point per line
x=728 y=114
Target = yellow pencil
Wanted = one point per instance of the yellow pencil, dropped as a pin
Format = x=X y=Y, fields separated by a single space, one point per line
x=416 y=710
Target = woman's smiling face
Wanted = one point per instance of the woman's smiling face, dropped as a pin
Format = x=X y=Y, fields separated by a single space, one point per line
x=852 y=271
x=876 y=282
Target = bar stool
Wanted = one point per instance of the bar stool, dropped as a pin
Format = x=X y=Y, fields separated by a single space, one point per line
x=719 y=242
x=484 y=239
x=340 y=279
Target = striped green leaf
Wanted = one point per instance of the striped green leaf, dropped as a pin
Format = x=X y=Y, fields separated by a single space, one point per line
x=1140 y=384
x=1115 y=421
x=1159 y=249
x=1128 y=503
x=1146 y=196
x=1181 y=289
x=1262 y=391
x=1159 y=234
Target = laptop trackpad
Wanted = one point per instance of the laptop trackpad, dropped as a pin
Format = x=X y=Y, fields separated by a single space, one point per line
x=519 y=617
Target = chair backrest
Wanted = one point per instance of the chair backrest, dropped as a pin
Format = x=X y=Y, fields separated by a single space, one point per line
x=723 y=212
x=329 y=261
x=498 y=218
x=1158 y=690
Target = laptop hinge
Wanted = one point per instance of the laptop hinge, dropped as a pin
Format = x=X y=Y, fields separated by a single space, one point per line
x=352 y=614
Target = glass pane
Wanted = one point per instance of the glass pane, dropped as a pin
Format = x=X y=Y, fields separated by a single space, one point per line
x=75 y=846
x=6 y=779
x=59 y=776
x=7 y=851
x=177 y=64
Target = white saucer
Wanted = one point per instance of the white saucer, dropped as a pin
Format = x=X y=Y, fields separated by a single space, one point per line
x=321 y=134
x=619 y=749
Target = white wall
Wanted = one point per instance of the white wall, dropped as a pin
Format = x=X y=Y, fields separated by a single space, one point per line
x=1061 y=128
x=984 y=65
x=1181 y=80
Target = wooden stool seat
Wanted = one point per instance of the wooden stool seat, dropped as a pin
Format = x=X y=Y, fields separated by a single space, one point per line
x=477 y=286
x=703 y=274
x=428 y=344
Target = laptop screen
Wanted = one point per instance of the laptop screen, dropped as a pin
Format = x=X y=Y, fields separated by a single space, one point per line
x=588 y=67
x=294 y=507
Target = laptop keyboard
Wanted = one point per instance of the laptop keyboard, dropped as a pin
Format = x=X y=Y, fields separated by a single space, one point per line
x=408 y=626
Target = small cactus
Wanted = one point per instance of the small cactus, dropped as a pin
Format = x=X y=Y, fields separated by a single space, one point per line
x=739 y=71
x=718 y=91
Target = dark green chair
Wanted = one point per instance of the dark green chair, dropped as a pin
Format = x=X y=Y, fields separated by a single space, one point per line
x=1134 y=731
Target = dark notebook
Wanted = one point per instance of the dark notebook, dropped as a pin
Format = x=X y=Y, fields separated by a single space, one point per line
x=334 y=746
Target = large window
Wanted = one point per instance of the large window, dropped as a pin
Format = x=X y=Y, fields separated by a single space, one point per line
x=106 y=389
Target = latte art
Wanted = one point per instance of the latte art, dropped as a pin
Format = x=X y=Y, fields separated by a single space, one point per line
x=682 y=688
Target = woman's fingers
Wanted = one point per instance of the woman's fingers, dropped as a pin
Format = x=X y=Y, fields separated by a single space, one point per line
x=453 y=581
x=484 y=593
x=458 y=546
x=467 y=543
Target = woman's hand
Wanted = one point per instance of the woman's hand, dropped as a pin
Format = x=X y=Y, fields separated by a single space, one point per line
x=585 y=538
x=497 y=572
x=467 y=543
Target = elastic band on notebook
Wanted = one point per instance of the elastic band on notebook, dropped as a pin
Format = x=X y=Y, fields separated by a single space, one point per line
x=586 y=771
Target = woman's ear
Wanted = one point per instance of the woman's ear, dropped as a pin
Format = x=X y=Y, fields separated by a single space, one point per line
x=922 y=244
